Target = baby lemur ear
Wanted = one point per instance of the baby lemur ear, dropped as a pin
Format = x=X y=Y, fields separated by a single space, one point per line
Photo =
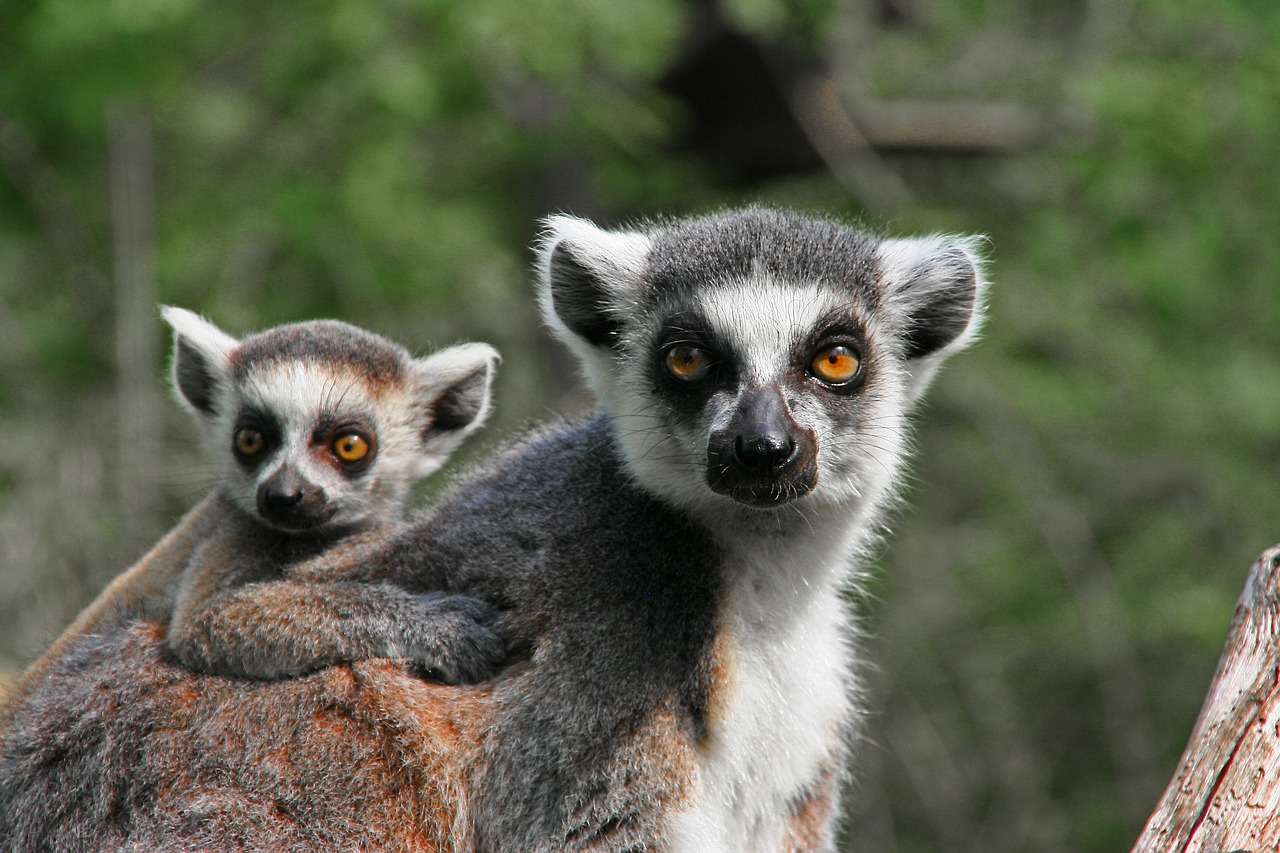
x=201 y=359
x=585 y=274
x=935 y=288
x=454 y=389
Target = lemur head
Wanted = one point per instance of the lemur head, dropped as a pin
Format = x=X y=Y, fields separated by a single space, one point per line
x=324 y=426
x=759 y=358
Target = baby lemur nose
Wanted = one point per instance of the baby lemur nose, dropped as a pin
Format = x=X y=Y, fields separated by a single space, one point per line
x=287 y=494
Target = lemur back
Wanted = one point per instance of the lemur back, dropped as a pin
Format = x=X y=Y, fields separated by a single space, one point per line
x=670 y=570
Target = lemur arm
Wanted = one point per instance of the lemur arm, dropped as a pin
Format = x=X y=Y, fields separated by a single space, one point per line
x=399 y=554
x=238 y=615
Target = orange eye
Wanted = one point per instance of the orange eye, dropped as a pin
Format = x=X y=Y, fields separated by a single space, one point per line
x=351 y=447
x=687 y=363
x=836 y=365
x=249 y=442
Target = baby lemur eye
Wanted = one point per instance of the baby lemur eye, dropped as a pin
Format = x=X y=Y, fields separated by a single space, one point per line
x=250 y=442
x=351 y=447
x=687 y=362
x=836 y=365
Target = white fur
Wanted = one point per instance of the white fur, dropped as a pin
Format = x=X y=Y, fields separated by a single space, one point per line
x=211 y=342
x=763 y=319
x=619 y=257
x=790 y=698
x=909 y=267
x=297 y=392
x=433 y=375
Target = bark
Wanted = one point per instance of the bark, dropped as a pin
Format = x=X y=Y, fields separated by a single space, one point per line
x=1225 y=795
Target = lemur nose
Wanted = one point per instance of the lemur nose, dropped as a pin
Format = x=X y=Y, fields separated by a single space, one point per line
x=763 y=452
x=282 y=499
x=286 y=496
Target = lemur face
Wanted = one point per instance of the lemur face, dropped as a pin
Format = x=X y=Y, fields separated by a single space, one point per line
x=759 y=359
x=323 y=426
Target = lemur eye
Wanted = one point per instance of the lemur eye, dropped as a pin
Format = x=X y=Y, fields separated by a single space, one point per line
x=351 y=447
x=687 y=362
x=250 y=442
x=836 y=365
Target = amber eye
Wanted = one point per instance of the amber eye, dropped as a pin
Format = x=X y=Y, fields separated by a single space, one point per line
x=250 y=442
x=836 y=365
x=351 y=447
x=687 y=363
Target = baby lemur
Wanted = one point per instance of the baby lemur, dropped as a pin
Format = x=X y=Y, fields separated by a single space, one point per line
x=324 y=428
x=320 y=429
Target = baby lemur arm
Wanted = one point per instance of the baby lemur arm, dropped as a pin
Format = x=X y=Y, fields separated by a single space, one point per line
x=238 y=614
x=399 y=554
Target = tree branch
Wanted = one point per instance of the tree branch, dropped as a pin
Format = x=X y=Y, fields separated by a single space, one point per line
x=1225 y=794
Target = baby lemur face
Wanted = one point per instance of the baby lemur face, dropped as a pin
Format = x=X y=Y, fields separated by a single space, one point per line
x=321 y=426
x=758 y=358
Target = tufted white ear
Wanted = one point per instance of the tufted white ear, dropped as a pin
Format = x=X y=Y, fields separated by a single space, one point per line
x=453 y=390
x=585 y=273
x=935 y=288
x=201 y=360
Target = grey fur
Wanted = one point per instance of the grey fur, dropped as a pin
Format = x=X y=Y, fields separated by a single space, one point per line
x=237 y=614
x=618 y=575
x=329 y=342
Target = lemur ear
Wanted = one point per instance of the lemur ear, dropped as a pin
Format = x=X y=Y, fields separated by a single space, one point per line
x=454 y=391
x=201 y=359
x=585 y=274
x=935 y=287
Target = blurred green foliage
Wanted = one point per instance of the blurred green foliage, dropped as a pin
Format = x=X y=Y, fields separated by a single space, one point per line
x=1091 y=482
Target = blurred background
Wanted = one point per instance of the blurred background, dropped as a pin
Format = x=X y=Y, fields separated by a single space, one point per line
x=1092 y=481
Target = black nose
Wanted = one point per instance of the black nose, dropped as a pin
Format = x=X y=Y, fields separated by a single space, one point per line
x=286 y=497
x=764 y=451
x=274 y=501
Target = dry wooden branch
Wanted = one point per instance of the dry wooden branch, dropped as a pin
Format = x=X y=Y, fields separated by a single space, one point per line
x=1225 y=795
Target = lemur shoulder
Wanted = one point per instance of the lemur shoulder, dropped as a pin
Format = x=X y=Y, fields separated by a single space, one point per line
x=670 y=567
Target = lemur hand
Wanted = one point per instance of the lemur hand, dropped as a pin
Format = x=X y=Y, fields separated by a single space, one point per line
x=454 y=639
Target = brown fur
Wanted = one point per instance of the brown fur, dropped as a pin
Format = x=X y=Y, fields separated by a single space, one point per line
x=812 y=816
x=721 y=675
x=363 y=757
x=355 y=757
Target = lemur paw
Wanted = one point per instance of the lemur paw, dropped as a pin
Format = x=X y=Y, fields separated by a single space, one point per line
x=457 y=640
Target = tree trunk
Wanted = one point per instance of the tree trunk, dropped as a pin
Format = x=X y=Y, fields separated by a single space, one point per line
x=1225 y=795
x=138 y=412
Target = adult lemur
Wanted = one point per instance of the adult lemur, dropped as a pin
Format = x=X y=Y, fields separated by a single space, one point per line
x=671 y=566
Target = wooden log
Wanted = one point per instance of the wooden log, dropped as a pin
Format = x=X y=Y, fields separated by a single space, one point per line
x=1225 y=794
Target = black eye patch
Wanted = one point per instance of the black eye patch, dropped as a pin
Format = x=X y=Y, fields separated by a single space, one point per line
x=838 y=329
x=262 y=423
x=688 y=329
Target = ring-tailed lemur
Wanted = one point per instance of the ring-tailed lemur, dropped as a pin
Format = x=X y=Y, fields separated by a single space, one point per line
x=320 y=429
x=671 y=567
x=675 y=564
